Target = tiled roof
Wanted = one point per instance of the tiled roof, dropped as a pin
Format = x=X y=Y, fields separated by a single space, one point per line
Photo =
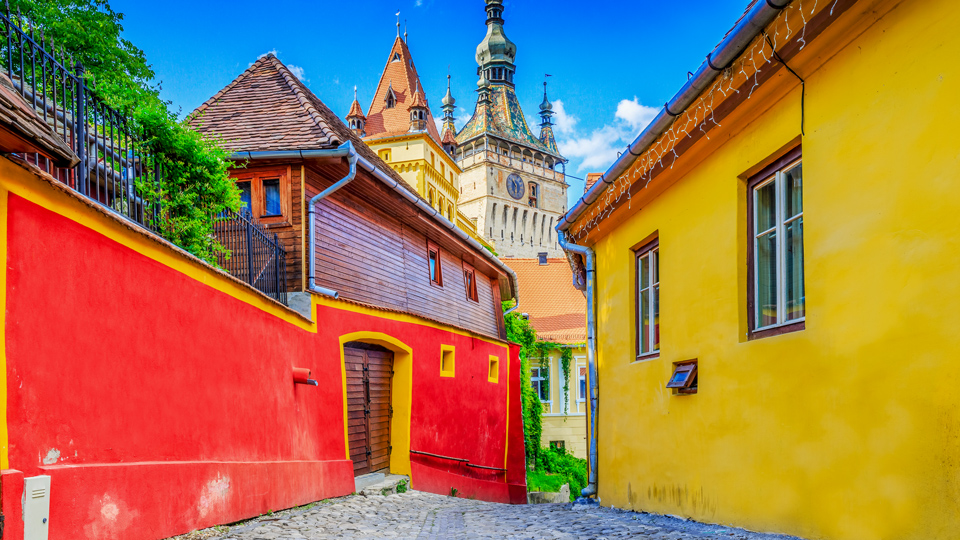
x=502 y=118
x=30 y=132
x=400 y=75
x=355 y=110
x=267 y=108
x=592 y=179
x=557 y=310
x=548 y=140
x=449 y=137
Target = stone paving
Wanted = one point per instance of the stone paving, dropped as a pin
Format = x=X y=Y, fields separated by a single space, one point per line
x=421 y=516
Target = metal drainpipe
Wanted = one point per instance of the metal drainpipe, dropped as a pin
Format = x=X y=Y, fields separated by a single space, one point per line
x=345 y=150
x=591 y=267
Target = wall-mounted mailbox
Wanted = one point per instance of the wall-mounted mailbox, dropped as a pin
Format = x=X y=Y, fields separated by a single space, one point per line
x=302 y=376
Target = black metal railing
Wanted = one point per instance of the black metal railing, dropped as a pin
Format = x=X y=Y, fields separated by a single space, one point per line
x=255 y=256
x=116 y=165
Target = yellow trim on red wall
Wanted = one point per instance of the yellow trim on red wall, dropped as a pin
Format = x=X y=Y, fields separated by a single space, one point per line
x=4 y=435
x=448 y=364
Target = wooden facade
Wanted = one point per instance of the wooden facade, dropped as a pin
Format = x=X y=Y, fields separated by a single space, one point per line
x=372 y=246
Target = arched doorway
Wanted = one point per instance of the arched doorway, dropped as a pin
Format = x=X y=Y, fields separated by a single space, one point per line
x=377 y=386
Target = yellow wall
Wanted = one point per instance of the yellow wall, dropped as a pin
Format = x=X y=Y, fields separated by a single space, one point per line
x=569 y=426
x=849 y=429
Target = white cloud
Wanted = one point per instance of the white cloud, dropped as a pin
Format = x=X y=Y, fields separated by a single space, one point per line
x=598 y=150
x=297 y=72
x=564 y=123
x=635 y=114
x=271 y=51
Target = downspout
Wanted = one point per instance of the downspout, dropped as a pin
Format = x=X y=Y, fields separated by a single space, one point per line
x=594 y=402
x=345 y=150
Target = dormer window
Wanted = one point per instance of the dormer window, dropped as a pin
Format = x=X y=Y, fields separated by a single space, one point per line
x=396 y=57
x=391 y=99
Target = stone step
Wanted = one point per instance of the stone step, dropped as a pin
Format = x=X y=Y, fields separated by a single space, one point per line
x=388 y=486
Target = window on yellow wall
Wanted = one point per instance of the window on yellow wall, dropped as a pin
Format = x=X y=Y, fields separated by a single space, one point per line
x=385 y=155
x=777 y=294
x=493 y=373
x=447 y=365
x=539 y=383
x=648 y=300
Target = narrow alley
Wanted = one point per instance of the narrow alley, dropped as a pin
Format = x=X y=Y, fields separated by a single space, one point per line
x=423 y=516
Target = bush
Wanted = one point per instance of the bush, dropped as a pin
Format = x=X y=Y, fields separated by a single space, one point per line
x=556 y=467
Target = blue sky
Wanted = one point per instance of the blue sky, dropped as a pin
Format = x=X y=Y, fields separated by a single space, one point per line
x=614 y=62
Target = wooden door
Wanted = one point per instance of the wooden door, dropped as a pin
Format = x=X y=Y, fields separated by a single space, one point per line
x=369 y=378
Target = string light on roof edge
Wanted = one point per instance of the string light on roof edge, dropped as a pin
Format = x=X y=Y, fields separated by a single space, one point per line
x=749 y=64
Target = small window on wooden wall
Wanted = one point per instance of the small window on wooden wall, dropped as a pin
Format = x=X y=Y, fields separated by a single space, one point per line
x=447 y=365
x=470 y=282
x=493 y=373
x=265 y=193
x=433 y=262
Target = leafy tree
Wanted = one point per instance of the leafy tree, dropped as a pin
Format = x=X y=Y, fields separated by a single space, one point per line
x=195 y=186
x=519 y=331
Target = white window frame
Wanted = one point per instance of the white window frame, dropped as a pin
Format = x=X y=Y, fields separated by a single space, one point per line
x=653 y=253
x=539 y=378
x=582 y=398
x=779 y=229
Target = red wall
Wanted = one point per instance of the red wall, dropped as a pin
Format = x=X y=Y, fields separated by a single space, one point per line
x=160 y=405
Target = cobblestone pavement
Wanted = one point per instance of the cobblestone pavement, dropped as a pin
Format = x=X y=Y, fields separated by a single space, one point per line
x=422 y=516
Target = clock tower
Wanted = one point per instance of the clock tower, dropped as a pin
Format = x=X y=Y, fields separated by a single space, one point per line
x=512 y=186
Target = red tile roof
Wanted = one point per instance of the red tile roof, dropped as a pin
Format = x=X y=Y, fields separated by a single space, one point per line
x=355 y=110
x=401 y=76
x=592 y=179
x=557 y=310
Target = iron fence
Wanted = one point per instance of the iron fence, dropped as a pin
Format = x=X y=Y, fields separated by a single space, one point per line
x=254 y=256
x=117 y=167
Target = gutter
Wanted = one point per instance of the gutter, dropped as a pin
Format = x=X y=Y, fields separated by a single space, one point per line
x=593 y=403
x=732 y=46
x=348 y=151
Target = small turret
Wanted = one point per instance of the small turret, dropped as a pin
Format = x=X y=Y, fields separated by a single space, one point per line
x=418 y=111
x=355 y=118
x=448 y=138
x=546 y=122
x=496 y=53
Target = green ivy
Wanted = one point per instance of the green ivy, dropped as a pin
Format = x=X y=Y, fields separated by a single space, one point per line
x=566 y=355
x=196 y=185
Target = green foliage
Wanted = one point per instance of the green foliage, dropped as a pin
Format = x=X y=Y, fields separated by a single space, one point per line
x=195 y=185
x=402 y=486
x=566 y=355
x=520 y=332
x=454 y=491
x=557 y=467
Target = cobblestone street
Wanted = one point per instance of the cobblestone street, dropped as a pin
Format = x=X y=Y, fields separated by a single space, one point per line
x=421 y=516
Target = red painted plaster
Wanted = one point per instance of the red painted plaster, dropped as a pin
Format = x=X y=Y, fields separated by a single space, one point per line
x=11 y=485
x=158 y=404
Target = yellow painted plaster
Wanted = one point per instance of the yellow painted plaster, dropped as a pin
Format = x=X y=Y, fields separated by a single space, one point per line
x=849 y=429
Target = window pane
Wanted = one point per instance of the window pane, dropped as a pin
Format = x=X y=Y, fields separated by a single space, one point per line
x=644 y=272
x=766 y=207
x=645 y=321
x=245 y=197
x=793 y=288
x=271 y=196
x=655 y=256
x=766 y=294
x=433 y=266
x=656 y=318
x=793 y=184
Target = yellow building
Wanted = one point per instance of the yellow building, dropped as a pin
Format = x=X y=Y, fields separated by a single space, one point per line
x=829 y=415
x=401 y=129
x=556 y=311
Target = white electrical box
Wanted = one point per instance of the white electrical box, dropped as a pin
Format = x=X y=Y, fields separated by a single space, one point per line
x=36 y=508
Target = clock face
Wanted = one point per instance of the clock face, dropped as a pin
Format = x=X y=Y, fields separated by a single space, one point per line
x=515 y=186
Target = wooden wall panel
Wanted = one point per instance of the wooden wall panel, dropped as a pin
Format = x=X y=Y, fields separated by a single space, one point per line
x=369 y=256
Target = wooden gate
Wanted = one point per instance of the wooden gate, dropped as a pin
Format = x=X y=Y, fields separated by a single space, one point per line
x=369 y=378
